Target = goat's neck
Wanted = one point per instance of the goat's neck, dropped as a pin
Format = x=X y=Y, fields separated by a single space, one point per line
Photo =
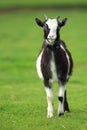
x=57 y=41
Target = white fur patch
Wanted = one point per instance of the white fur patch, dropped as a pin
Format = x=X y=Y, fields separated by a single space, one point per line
x=49 y=101
x=67 y=60
x=61 y=91
x=53 y=70
x=60 y=108
x=38 y=65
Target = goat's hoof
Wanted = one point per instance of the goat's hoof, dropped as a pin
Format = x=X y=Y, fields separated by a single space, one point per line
x=66 y=110
x=61 y=114
x=50 y=115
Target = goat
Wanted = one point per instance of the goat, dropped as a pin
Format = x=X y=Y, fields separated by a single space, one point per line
x=54 y=63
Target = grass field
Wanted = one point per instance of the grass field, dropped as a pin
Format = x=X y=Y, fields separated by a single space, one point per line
x=22 y=95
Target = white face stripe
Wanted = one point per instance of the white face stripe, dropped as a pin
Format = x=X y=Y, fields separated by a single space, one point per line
x=52 y=24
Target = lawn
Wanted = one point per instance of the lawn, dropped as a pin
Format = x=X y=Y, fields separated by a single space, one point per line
x=22 y=96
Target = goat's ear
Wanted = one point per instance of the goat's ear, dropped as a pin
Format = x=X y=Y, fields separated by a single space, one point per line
x=63 y=22
x=39 y=22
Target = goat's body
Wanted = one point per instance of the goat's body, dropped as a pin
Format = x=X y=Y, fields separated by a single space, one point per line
x=54 y=63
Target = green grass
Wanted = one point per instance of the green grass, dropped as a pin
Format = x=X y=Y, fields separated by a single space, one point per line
x=22 y=96
x=29 y=3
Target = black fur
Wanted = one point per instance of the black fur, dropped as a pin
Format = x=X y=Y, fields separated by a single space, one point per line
x=60 y=99
x=46 y=31
x=45 y=63
x=60 y=61
x=66 y=106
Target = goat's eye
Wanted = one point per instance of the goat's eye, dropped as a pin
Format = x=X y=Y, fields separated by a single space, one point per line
x=46 y=27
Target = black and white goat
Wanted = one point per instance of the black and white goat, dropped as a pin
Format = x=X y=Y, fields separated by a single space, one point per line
x=54 y=63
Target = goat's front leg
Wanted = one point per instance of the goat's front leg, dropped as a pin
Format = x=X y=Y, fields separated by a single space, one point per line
x=61 y=100
x=49 y=102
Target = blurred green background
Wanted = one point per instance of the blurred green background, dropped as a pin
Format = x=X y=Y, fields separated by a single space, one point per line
x=32 y=3
x=22 y=96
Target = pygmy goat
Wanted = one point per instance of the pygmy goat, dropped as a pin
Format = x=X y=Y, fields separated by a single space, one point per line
x=54 y=63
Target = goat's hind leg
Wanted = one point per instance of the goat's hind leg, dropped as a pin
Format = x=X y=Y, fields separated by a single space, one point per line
x=66 y=106
x=49 y=94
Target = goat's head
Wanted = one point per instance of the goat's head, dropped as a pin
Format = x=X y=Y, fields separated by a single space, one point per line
x=51 y=28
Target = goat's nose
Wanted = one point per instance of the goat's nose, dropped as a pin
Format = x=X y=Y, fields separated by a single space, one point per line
x=51 y=36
